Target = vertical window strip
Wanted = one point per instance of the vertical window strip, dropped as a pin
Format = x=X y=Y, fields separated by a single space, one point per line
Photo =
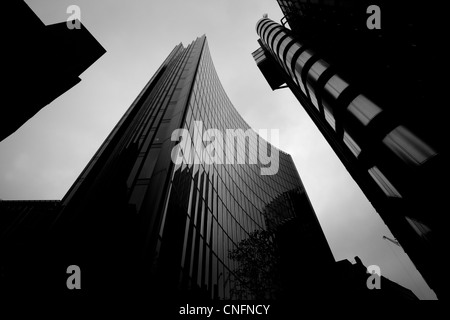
x=383 y=182
x=351 y=144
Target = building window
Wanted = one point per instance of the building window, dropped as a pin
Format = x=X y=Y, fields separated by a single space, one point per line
x=289 y=55
x=292 y=50
x=283 y=45
x=137 y=196
x=265 y=28
x=277 y=40
x=330 y=119
x=363 y=109
x=316 y=70
x=313 y=75
x=274 y=31
x=335 y=86
x=301 y=60
x=270 y=30
x=149 y=163
x=421 y=229
x=408 y=146
x=383 y=182
x=259 y=24
x=351 y=144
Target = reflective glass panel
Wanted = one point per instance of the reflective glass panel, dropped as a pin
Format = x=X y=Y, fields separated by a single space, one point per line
x=363 y=109
x=383 y=182
x=407 y=146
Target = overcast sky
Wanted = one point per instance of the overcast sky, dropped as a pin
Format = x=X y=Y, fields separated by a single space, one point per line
x=44 y=157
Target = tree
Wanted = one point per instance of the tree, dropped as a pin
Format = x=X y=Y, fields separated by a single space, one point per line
x=257 y=273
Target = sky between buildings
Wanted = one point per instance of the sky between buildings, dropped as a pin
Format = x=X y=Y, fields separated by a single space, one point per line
x=44 y=157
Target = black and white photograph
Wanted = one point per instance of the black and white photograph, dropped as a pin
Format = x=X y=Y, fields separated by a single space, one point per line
x=224 y=159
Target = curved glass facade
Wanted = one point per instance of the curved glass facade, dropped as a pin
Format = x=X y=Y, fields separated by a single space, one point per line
x=189 y=216
x=221 y=205
x=218 y=204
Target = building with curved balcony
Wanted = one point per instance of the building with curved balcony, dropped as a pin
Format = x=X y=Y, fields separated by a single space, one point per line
x=397 y=166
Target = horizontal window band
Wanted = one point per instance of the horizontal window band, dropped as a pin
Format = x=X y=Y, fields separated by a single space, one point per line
x=304 y=74
x=273 y=34
x=277 y=46
x=267 y=28
x=272 y=42
x=258 y=25
x=268 y=32
x=363 y=109
x=261 y=23
x=294 y=61
x=265 y=24
x=285 y=52
x=340 y=105
x=379 y=126
x=320 y=85
x=408 y=146
x=263 y=30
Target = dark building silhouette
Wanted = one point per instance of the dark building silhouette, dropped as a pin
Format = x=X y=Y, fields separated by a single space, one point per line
x=43 y=62
x=135 y=221
x=374 y=95
x=22 y=226
x=338 y=281
x=352 y=282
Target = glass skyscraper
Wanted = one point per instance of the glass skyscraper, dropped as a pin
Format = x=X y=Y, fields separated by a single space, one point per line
x=229 y=223
x=376 y=106
x=136 y=221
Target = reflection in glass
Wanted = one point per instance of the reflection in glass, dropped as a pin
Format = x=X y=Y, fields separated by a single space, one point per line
x=264 y=29
x=313 y=75
x=351 y=144
x=408 y=146
x=363 y=109
x=335 y=86
x=383 y=182
x=277 y=39
x=283 y=45
x=299 y=64
x=269 y=40
x=421 y=229
x=137 y=196
x=269 y=30
x=292 y=50
x=330 y=119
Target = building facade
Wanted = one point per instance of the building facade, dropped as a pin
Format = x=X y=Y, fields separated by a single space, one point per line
x=373 y=122
x=136 y=220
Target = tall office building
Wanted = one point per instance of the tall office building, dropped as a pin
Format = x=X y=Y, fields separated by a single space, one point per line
x=44 y=61
x=370 y=93
x=136 y=221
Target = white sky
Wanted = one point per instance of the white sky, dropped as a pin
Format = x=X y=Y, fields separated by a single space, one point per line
x=44 y=157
